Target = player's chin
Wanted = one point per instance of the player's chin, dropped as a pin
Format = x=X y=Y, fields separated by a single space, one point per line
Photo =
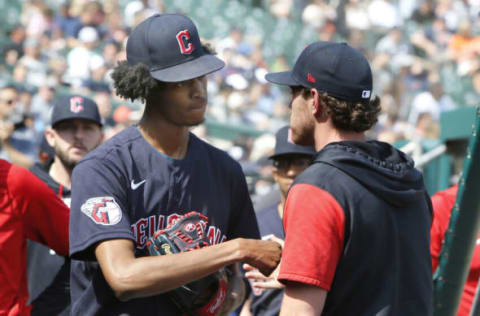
x=194 y=121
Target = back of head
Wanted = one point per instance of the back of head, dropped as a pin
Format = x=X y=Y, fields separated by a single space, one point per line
x=342 y=76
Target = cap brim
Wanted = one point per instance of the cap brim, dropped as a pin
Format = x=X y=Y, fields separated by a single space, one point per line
x=282 y=78
x=78 y=117
x=198 y=67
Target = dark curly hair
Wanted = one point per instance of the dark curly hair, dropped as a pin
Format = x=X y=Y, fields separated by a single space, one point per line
x=350 y=115
x=135 y=82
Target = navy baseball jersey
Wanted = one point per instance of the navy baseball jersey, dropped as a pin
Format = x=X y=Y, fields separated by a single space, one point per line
x=268 y=302
x=127 y=189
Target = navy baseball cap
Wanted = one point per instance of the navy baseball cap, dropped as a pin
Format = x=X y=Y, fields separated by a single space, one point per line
x=169 y=45
x=284 y=145
x=335 y=68
x=75 y=107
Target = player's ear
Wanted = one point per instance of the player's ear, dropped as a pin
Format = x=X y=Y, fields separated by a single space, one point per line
x=50 y=136
x=319 y=108
x=316 y=102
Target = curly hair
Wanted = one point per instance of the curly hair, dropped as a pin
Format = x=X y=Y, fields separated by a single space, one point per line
x=135 y=82
x=351 y=116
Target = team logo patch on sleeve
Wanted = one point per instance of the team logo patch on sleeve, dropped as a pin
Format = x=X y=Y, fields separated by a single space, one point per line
x=102 y=210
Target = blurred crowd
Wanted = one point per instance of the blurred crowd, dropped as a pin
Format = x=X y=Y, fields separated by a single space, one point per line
x=424 y=56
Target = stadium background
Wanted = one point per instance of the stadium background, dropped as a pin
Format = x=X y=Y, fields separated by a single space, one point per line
x=424 y=56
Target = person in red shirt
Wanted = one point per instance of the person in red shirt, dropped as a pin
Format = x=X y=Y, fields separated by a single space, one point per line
x=29 y=209
x=443 y=202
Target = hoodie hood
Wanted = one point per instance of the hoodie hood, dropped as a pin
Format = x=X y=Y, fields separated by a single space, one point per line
x=383 y=169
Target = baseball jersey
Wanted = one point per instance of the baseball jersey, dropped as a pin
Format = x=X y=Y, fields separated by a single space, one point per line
x=29 y=209
x=268 y=302
x=48 y=273
x=357 y=224
x=127 y=189
x=442 y=206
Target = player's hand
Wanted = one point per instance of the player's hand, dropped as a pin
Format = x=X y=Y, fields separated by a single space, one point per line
x=258 y=280
x=262 y=254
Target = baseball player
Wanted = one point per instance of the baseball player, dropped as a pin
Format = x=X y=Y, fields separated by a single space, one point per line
x=289 y=160
x=28 y=210
x=443 y=203
x=149 y=176
x=357 y=220
x=76 y=129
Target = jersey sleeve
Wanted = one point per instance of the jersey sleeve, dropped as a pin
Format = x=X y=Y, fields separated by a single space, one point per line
x=442 y=207
x=314 y=227
x=99 y=207
x=243 y=222
x=44 y=215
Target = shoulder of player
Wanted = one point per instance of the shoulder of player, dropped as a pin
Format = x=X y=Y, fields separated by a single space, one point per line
x=219 y=156
x=318 y=174
x=109 y=151
x=22 y=182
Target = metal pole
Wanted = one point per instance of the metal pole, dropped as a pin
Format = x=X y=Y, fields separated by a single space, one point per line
x=450 y=277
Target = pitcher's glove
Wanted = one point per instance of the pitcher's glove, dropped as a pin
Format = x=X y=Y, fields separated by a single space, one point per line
x=205 y=296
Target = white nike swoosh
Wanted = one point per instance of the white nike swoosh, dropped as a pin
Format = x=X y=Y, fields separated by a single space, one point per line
x=136 y=185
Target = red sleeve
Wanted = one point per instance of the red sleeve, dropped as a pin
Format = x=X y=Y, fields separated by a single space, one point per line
x=314 y=227
x=44 y=215
x=442 y=207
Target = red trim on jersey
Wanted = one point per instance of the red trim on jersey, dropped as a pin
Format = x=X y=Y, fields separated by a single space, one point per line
x=60 y=191
x=314 y=226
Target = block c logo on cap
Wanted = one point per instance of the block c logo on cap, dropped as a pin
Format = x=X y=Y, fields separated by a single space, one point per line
x=76 y=104
x=182 y=38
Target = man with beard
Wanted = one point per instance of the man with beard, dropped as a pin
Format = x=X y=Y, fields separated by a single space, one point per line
x=357 y=221
x=76 y=129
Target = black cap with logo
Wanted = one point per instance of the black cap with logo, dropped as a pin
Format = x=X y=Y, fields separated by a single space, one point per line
x=285 y=146
x=335 y=68
x=75 y=107
x=169 y=45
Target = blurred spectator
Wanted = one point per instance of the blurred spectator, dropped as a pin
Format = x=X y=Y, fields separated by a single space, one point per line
x=8 y=102
x=383 y=14
x=104 y=104
x=34 y=62
x=82 y=57
x=12 y=51
x=42 y=103
x=89 y=14
x=433 y=101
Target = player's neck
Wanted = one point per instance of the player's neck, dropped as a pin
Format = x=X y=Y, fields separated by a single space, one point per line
x=325 y=133
x=168 y=139
x=60 y=173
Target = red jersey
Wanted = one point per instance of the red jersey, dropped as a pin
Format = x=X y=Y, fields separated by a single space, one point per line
x=442 y=206
x=28 y=209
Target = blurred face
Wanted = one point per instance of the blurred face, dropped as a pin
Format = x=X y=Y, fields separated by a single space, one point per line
x=73 y=139
x=287 y=168
x=301 y=118
x=183 y=103
x=8 y=100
